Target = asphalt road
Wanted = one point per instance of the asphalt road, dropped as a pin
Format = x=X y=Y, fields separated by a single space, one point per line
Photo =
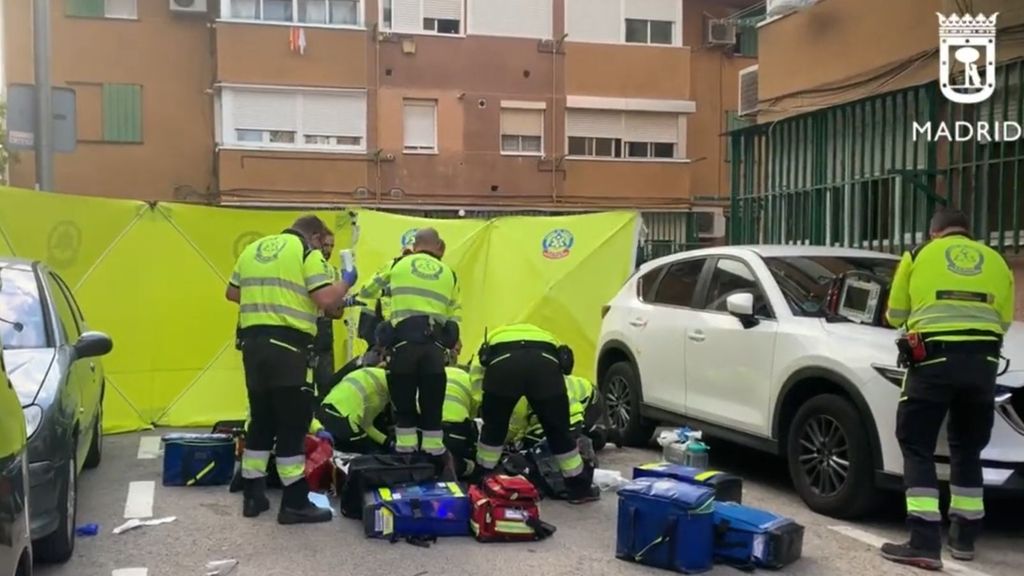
x=209 y=526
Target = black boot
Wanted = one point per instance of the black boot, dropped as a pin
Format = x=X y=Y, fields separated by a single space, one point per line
x=254 y=500
x=962 y=534
x=580 y=490
x=297 y=509
x=923 y=550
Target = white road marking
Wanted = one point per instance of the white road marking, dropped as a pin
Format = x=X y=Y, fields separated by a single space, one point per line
x=130 y=572
x=149 y=447
x=140 y=499
x=875 y=541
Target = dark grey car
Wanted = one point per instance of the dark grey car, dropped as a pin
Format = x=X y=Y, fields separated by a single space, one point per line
x=52 y=362
x=15 y=543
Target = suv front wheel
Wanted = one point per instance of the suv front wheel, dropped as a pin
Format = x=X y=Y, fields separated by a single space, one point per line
x=621 y=389
x=829 y=458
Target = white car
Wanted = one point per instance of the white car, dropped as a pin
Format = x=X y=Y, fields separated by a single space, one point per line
x=737 y=341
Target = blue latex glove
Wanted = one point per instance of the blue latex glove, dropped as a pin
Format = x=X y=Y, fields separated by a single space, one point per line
x=325 y=435
x=350 y=276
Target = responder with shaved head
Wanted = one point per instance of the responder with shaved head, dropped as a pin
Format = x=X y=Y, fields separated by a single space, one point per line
x=422 y=325
x=281 y=283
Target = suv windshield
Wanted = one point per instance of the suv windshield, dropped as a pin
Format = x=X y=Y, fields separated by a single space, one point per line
x=20 y=308
x=805 y=280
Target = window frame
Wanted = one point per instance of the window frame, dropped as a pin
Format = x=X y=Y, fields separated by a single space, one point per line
x=648 y=32
x=708 y=273
x=421 y=30
x=57 y=295
x=83 y=327
x=677 y=27
x=698 y=289
x=420 y=102
x=50 y=337
x=105 y=16
x=225 y=16
x=521 y=152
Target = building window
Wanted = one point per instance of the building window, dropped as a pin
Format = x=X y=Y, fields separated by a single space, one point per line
x=419 y=16
x=122 y=113
x=517 y=18
x=323 y=12
x=626 y=135
x=125 y=9
x=420 y=126
x=325 y=120
x=648 y=31
x=522 y=132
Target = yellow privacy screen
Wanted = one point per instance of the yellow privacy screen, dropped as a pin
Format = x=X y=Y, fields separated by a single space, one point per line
x=153 y=277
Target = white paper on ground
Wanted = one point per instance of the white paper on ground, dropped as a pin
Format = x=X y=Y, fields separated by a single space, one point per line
x=321 y=501
x=609 y=479
x=220 y=567
x=136 y=523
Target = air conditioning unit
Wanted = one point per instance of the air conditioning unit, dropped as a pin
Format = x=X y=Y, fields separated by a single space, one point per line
x=748 y=99
x=189 y=6
x=710 y=223
x=721 y=33
x=778 y=8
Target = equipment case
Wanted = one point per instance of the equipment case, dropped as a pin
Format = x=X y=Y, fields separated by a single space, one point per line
x=368 y=472
x=505 y=510
x=666 y=524
x=727 y=487
x=747 y=537
x=198 y=459
x=427 y=509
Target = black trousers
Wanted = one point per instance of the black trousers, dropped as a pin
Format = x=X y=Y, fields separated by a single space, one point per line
x=460 y=440
x=279 y=409
x=962 y=386
x=347 y=438
x=416 y=382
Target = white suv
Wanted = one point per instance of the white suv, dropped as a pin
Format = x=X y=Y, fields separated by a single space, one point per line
x=738 y=342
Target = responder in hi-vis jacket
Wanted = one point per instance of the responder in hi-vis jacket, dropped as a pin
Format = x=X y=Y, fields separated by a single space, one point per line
x=954 y=295
x=281 y=283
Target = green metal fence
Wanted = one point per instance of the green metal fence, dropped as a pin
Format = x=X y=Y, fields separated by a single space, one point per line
x=862 y=174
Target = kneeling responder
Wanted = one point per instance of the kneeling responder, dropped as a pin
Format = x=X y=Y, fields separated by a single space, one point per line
x=462 y=399
x=955 y=297
x=281 y=282
x=525 y=360
x=350 y=409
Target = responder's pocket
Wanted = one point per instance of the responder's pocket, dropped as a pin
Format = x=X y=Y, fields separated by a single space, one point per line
x=566 y=359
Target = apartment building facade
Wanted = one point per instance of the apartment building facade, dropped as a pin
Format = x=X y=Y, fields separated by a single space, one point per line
x=440 y=104
x=850 y=103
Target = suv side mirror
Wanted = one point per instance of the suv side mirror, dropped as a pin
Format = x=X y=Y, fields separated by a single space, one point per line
x=742 y=306
x=92 y=344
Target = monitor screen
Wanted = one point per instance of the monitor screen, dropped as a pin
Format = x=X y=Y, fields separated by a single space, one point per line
x=859 y=301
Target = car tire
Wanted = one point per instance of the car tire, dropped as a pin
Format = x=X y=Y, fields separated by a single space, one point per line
x=95 y=455
x=621 y=389
x=826 y=432
x=58 y=547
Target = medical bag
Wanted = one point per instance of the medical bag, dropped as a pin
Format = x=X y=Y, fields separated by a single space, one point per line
x=505 y=510
x=198 y=459
x=747 y=537
x=727 y=487
x=427 y=509
x=666 y=524
x=371 y=471
x=319 y=470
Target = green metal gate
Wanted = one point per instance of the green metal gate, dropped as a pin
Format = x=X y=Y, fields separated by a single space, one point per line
x=855 y=175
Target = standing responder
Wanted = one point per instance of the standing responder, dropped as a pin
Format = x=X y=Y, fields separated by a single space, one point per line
x=955 y=297
x=377 y=289
x=423 y=323
x=324 y=342
x=525 y=360
x=281 y=282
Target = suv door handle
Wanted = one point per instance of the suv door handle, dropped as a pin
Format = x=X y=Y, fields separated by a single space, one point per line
x=696 y=336
x=638 y=322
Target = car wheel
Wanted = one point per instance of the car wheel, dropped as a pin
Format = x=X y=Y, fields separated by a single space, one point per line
x=59 y=546
x=829 y=458
x=621 y=389
x=95 y=455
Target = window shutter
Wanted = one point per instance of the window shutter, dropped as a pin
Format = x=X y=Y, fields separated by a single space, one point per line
x=419 y=124
x=121 y=9
x=595 y=123
x=334 y=114
x=594 y=20
x=446 y=9
x=84 y=8
x=405 y=14
x=652 y=127
x=665 y=10
x=122 y=113
x=521 y=18
x=522 y=122
x=245 y=9
x=264 y=111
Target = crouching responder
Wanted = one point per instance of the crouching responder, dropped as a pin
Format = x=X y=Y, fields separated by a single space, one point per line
x=585 y=416
x=347 y=415
x=955 y=297
x=281 y=282
x=525 y=360
x=462 y=399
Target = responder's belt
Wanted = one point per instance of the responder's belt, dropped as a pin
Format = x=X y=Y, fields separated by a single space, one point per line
x=990 y=348
x=507 y=347
x=290 y=336
x=417 y=330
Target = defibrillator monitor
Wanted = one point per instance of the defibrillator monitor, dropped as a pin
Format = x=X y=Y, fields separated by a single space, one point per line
x=859 y=301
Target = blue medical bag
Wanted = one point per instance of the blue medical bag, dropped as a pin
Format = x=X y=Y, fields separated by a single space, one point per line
x=428 y=509
x=666 y=524
x=198 y=459
x=747 y=537
x=727 y=487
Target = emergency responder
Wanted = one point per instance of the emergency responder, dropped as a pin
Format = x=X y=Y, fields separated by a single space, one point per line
x=525 y=360
x=376 y=288
x=462 y=399
x=954 y=295
x=280 y=283
x=423 y=323
x=346 y=416
x=324 y=341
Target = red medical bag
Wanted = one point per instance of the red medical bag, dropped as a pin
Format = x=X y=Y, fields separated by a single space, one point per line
x=505 y=510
